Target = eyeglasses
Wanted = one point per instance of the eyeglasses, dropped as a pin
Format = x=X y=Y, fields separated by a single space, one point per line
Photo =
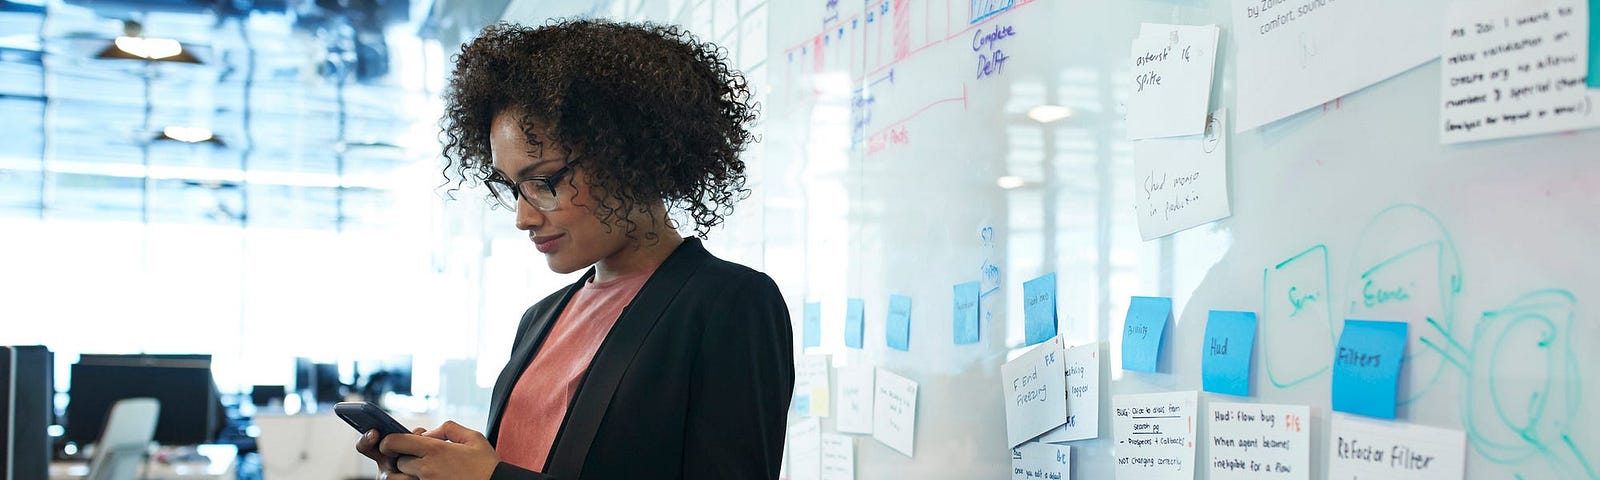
x=540 y=191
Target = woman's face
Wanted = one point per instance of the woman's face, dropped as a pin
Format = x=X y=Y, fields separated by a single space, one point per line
x=569 y=235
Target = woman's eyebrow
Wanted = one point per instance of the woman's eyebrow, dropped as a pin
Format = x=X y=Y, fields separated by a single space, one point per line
x=527 y=171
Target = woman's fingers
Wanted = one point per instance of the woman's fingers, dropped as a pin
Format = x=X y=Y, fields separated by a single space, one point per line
x=368 y=445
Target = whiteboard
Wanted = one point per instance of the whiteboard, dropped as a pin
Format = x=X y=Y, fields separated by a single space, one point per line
x=877 y=174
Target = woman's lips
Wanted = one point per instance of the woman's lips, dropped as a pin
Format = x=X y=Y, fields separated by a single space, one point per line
x=546 y=244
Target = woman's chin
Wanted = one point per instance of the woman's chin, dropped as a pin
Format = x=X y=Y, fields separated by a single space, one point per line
x=562 y=265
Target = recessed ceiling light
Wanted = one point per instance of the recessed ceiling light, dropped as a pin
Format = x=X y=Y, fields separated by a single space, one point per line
x=1009 y=182
x=187 y=134
x=1049 y=113
x=151 y=48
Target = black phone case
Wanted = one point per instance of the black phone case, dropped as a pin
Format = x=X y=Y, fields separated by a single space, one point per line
x=365 y=417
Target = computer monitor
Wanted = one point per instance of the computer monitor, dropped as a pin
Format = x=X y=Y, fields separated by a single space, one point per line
x=319 y=380
x=325 y=376
x=263 y=395
x=26 y=391
x=386 y=375
x=304 y=371
x=191 y=412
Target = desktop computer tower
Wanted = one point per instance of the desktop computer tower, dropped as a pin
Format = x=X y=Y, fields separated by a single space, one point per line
x=27 y=391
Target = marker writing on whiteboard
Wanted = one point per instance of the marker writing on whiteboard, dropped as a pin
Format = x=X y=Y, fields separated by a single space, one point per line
x=991 y=59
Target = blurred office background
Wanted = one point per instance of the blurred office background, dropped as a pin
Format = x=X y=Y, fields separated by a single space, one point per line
x=250 y=189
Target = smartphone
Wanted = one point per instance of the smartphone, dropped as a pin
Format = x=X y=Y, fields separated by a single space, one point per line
x=365 y=417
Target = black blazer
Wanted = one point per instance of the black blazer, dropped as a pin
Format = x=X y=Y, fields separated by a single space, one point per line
x=692 y=382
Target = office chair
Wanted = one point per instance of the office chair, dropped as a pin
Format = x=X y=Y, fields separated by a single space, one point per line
x=122 y=445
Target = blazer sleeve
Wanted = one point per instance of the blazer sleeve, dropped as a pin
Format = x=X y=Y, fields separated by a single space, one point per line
x=743 y=380
x=506 y=471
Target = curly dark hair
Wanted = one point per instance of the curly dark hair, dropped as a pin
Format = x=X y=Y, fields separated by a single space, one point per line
x=657 y=114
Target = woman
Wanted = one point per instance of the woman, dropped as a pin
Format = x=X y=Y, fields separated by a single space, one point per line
x=663 y=361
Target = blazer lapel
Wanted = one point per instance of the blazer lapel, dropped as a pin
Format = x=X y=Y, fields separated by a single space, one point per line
x=616 y=353
x=535 y=326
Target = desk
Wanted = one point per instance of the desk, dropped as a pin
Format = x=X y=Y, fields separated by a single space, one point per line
x=205 y=462
x=316 y=447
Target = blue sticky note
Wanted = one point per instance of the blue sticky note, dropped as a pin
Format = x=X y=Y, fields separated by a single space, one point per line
x=813 y=325
x=1141 y=333
x=1225 y=356
x=1039 y=308
x=1594 y=43
x=802 y=405
x=855 y=315
x=899 y=325
x=1366 y=368
x=966 y=313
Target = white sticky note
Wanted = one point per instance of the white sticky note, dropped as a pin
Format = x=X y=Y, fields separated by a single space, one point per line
x=855 y=399
x=838 y=457
x=1182 y=182
x=1155 y=435
x=811 y=386
x=1259 y=441
x=894 y=411
x=1170 y=89
x=1034 y=386
x=1083 y=396
x=1359 y=448
x=1515 y=68
x=1041 y=461
x=805 y=449
x=1294 y=55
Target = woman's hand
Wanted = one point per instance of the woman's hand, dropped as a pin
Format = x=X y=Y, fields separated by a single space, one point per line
x=368 y=445
x=449 y=452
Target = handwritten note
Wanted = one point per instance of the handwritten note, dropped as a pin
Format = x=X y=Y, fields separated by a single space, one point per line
x=1155 y=435
x=1225 y=356
x=1297 y=54
x=966 y=313
x=898 y=326
x=1142 y=331
x=1362 y=449
x=1182 y=182
x=1366 y=367
x=1254 y=441
x=986 y=42
x=855 y=399
x=838 y=457
x=1172 y=71
x=894 y=412
x=1083 y=396
x=1035 y=389
x=811 y=386
x=1041 y=461
x=805 y=449
x=1039 y=308
x=1515 y=68
x=855 y=319
x=813 y=325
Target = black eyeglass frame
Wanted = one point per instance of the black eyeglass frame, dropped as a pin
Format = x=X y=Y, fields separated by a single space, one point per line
x=519 y=189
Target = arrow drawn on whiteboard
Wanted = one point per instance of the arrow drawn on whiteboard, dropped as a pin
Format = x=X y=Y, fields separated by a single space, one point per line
x=888 y=77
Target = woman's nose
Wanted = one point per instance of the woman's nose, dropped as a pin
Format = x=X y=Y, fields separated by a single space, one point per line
x=528 y=218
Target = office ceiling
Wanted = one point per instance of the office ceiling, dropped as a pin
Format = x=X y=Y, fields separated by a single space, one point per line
x=320 y=106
